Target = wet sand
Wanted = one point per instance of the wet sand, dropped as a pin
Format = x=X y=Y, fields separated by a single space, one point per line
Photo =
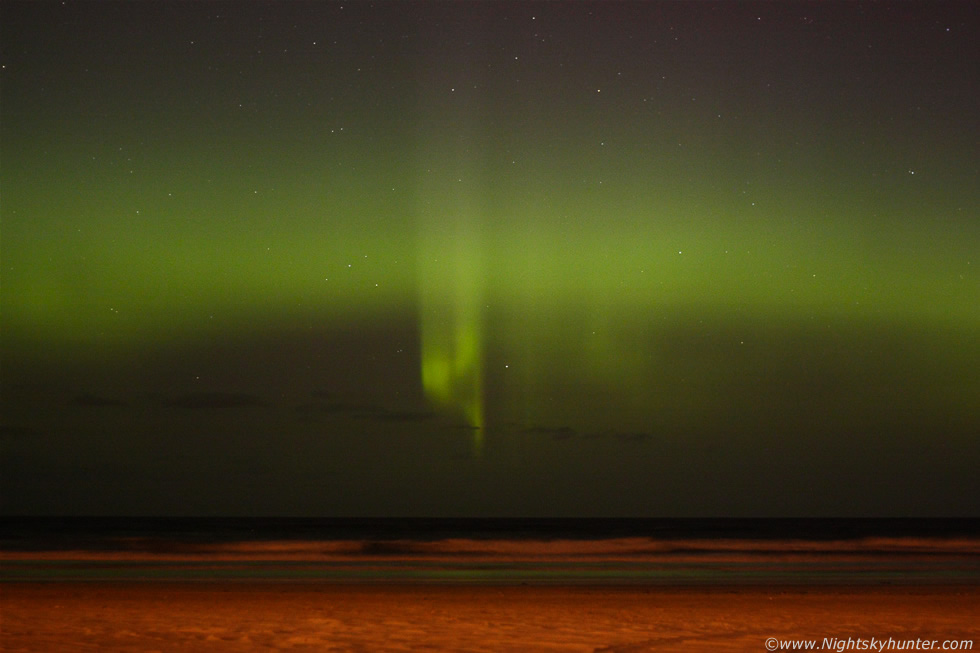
x=251 y=616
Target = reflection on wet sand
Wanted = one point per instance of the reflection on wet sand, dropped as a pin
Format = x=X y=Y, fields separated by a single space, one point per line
x=234 y=616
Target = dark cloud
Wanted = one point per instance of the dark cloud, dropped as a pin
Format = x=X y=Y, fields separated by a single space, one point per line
x=215 y=400
x=404 y=416
x=623 y=436
x=556 y=432
x=359 y=410
x=364 y=411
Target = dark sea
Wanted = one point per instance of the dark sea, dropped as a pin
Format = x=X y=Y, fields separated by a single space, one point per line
x=573 y=551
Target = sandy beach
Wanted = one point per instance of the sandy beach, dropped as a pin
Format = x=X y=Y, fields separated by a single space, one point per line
x=249 y=616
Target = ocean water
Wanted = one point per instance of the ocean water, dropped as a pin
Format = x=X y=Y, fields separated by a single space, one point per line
x=665 y=552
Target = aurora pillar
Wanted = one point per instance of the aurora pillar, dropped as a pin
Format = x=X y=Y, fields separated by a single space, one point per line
x=453 y=132
x=451 y=321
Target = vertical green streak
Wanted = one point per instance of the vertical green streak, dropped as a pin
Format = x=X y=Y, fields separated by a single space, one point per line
x=453 y=212
x=452 y=279
x=451 y=328
x=451 y=292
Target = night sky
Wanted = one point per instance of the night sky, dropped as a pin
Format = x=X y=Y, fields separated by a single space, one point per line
x=490 y=259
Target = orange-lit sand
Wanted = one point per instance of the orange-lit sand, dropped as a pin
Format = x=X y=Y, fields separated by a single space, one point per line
x=249 y=616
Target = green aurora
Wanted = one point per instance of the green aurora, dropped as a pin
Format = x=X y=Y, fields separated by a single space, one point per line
x=573 y=285
x=737 y=233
